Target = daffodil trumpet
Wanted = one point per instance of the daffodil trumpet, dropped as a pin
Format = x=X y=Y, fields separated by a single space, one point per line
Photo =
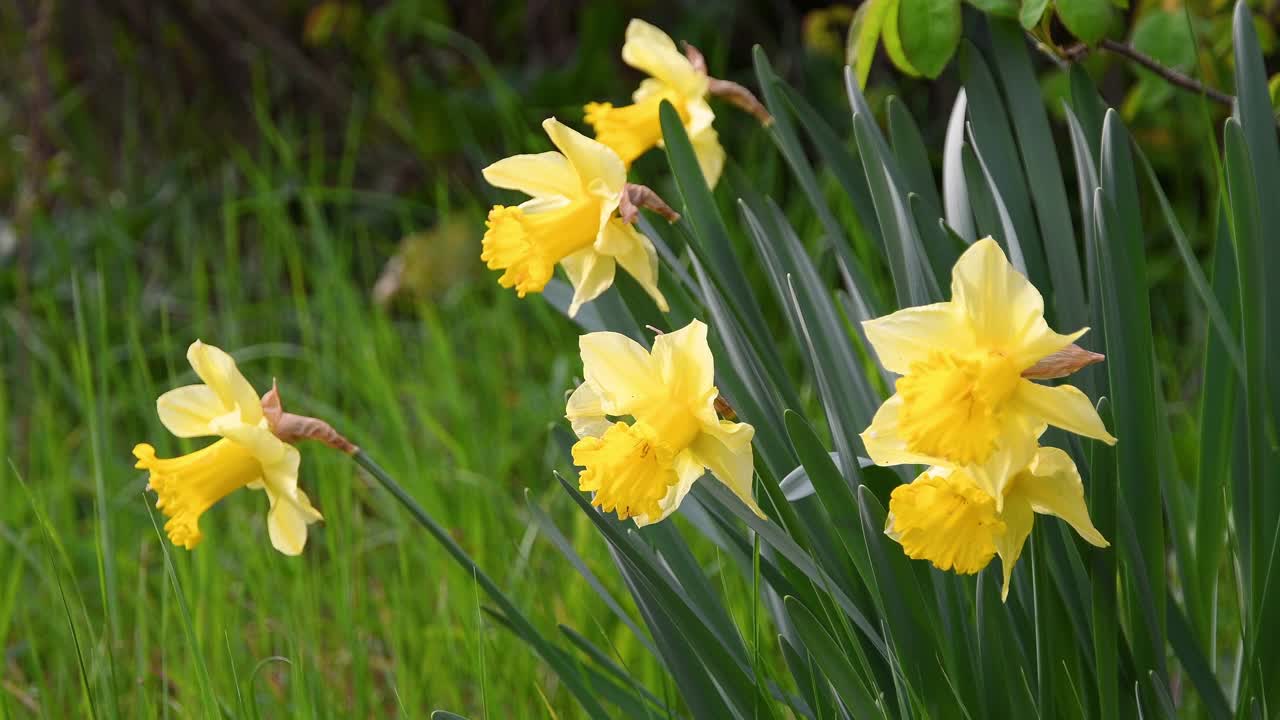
x=648 y=427
x=250 y=453
x=680 y=79
x=945 y=517
x=965 y=398
x=572 y=220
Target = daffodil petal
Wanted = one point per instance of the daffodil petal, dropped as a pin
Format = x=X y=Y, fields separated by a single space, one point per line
x=683 y=359
x=636 y=254
x=1018 y=519
x=590 y=159
x=585 y=412
x=287 y=521
x=1017 y=446
x=590 y=273
x=647 y=89
x=698 y=126
x=1052 y=486
x=649 y=49
x=1003 y=307
x=884 y=445
x=911 y=334
x=537 y=175
x=620 y=370
x=1062 y=406
x=266 y=447
x=187 y=411
x=726 y=451
x=710 y=154
x=689 y=471
x=218 y=370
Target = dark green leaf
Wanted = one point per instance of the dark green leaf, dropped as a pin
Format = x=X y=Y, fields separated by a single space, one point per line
x=1088 y=20
x=930 y=33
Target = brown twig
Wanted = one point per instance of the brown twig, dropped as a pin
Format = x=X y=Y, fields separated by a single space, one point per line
x=1173 y=77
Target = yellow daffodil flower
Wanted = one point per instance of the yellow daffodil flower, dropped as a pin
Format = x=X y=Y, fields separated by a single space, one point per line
x=247 y=455
x=643 y=468
x=572 y=219
x=633 y=129
x=962 y=400
x=948 y=519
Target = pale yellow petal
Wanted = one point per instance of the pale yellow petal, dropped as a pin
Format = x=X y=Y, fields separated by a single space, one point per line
x=1004 y=309
x=1052 y=486
x=910 y=335
x=1018 y=519
x=287 y=521
x=683 y=359
x=585 y=412
x=620 y=370
x=648 y=88
x=591 y=160
x=1062 y=406
x=547 y=174
x=884 y=444
x=590 y=273
x=710 y=154
x=257 y=439
x=1014 y=451
x=218 y=370
x=1039 y=342
x=188 y=411
x=688 y=470
x=635 y=253
x=725 y=450
x=649 y=49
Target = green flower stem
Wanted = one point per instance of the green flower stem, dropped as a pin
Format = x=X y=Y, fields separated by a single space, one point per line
x=519 y=622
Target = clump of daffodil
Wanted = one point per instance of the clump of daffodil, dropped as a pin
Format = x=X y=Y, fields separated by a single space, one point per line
x=964 y=399
x=572 y=219
x=648 y=427
x=248 y=454
x=945 y=517
x=632 y=130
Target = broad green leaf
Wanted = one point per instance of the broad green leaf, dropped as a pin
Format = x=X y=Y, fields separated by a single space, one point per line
x=930 y=32
x=1003 y=8
x=1088 y=20
x=1164 y=36
x=1031 y=12
x=893 y=40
